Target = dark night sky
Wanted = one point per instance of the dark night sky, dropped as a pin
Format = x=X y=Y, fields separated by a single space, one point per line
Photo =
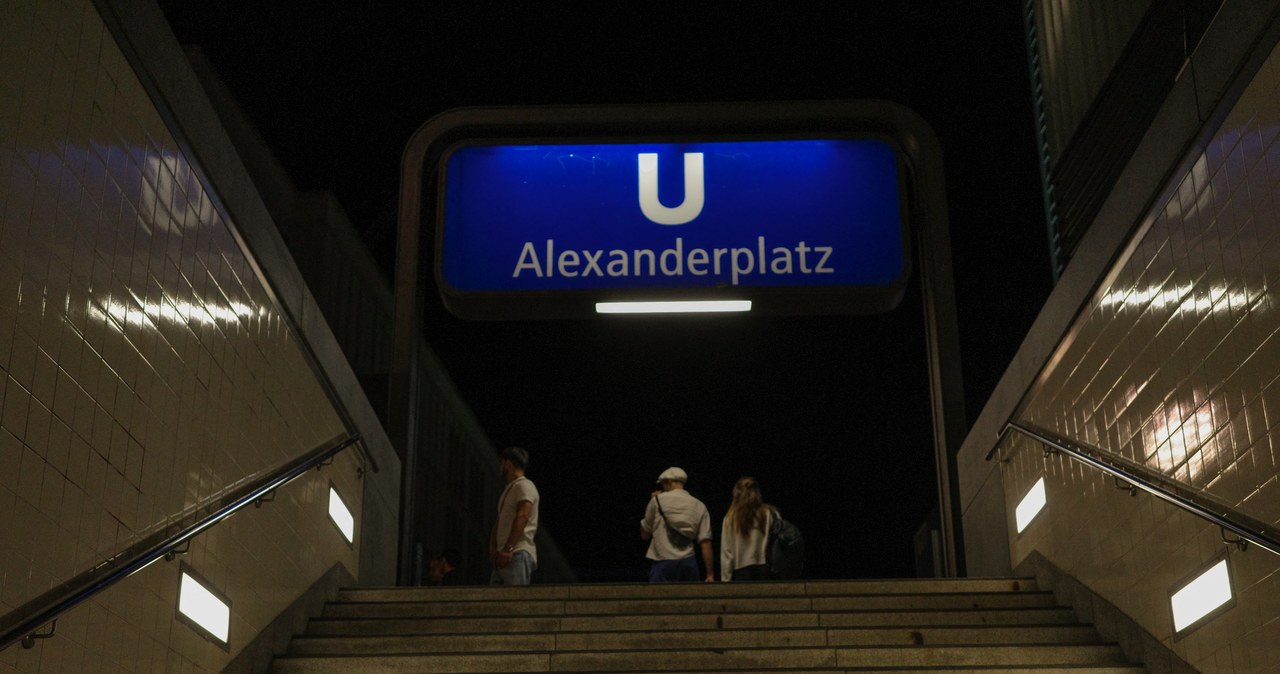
x=829 y=413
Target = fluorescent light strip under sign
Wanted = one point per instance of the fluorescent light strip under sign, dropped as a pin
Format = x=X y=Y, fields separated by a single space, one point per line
x=1197 y=599
x=683 y=307
x=204 y=608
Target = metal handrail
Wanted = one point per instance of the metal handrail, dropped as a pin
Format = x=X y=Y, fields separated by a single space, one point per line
x=1247 y=528
x=20 y=624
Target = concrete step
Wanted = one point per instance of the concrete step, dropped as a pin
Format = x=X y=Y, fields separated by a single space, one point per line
x=686 y=621
x=386 y=666
x=901 y=601
x=989 y=625
x=984 y=656
x=692 y=639
x=690 y=590
x=1062 y=669
x=951 y=658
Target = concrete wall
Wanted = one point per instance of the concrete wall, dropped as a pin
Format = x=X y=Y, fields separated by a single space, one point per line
x=147 y=366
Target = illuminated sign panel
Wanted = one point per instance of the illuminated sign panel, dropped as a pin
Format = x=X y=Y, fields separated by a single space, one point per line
x=793 y=225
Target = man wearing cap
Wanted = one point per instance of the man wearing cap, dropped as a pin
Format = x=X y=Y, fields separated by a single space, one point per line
x=511 y=547
x=672 y=551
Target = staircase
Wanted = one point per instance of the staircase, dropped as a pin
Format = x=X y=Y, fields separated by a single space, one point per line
x=969 y=625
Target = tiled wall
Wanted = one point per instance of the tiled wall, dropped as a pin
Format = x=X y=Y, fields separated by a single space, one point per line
x=144 y=368
x=1175 y=365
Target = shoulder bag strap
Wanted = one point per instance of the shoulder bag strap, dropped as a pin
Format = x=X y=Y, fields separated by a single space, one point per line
x=667 y=522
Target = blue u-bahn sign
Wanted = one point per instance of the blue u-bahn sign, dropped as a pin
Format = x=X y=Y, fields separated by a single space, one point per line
x=539 y=218
x=672 y=215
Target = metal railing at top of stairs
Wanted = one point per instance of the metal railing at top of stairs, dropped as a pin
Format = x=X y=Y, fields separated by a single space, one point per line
x=1136 y=477
x=20 y=624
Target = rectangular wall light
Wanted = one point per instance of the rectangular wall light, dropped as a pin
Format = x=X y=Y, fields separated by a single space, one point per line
x=1031 y=505
x=1201 y=596
x=341 y=515
x=683 y=307
x=205 y=609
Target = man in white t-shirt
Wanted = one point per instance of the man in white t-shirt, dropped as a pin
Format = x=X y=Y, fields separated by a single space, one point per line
x=673 y=553
x=511 y=547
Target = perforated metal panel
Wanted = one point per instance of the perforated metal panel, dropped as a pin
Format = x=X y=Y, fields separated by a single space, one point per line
x=1101 y=71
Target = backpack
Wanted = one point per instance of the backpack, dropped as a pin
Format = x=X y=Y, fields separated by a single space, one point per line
x=786 y=549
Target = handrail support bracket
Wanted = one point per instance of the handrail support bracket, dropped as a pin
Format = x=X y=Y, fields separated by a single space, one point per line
x=1241 y=543
x=173 y=554
x=29 y=641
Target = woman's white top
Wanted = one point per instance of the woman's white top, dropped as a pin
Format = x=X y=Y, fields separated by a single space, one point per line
x=738 y=551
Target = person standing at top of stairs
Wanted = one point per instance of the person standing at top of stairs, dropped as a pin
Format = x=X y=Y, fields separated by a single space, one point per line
x=675 y=523
x=511 y=547
x=744 y=534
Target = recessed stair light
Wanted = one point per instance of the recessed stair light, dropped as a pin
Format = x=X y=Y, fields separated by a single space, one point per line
x=1201 y=596
x=341 y=515
x=1030 y=505
x=203 y=608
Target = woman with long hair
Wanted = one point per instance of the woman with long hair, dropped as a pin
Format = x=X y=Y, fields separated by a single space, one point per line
x=744 y=535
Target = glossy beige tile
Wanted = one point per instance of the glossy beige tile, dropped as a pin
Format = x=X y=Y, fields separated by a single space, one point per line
x=1174 y=366
x=144 y=370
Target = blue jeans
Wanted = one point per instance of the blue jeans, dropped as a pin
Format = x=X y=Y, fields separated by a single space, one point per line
x=518 y=572
x=675 y=570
